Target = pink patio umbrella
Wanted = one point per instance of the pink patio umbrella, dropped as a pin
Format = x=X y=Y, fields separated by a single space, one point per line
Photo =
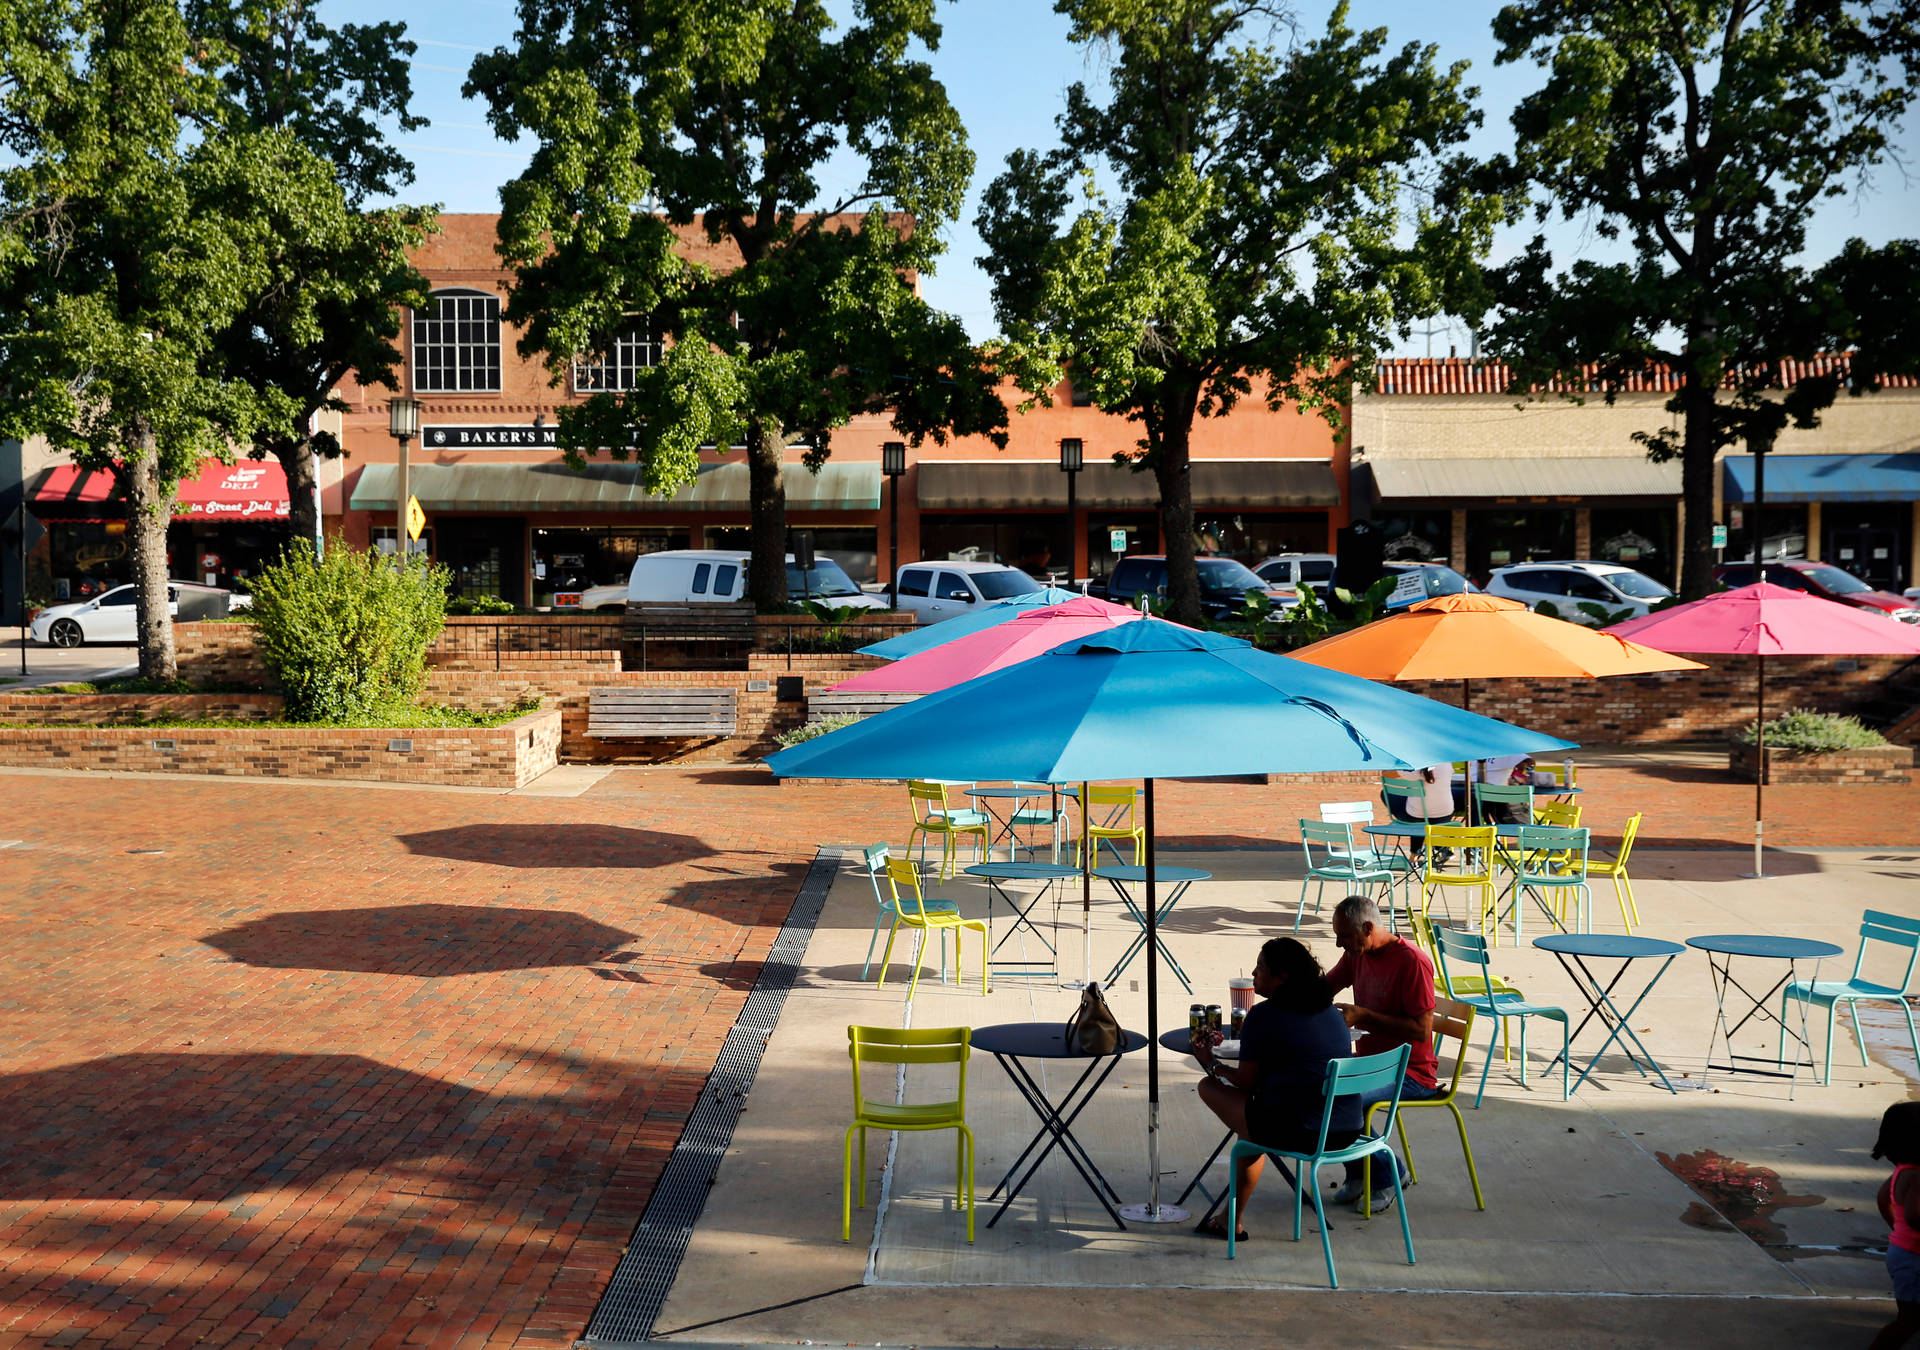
x=1766 y=620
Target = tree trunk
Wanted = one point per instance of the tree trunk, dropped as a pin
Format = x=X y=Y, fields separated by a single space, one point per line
x=149 y=510
x=1176 y=507
x=303 y=509
x=767 y=570
x=1699 y=443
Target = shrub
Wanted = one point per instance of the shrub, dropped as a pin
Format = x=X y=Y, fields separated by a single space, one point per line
x=818 y=727
x=347 y=634
x=1805 y=729
x=479 y=604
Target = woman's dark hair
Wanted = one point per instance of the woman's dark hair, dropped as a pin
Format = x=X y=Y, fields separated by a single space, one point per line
x=1303 y=986
x=1899 y=1140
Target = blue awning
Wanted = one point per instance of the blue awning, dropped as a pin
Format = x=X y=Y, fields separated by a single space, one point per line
x=1828 y=478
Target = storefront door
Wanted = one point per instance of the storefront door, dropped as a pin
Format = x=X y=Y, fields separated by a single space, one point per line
x=1139 y=531
x=486 y=554
x=1867 y=541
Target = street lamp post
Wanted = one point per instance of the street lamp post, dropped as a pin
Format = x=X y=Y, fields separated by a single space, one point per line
x=403 y=421
x=1070 y=459
x=893 y=463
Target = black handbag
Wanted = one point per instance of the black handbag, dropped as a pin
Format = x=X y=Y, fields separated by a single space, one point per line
x=1093 y=1029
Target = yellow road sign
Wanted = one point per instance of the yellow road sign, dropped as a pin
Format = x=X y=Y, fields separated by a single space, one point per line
x=416 y=518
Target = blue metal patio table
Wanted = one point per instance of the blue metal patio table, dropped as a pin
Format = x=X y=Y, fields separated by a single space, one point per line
x=1178 y=879
x=1053 y=874
x=1573 y=951
x=1012 y=1042
x=985 y=798
x=1721 y=949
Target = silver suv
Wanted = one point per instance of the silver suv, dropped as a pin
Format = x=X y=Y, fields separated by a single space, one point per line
x=1568 y=585
x=1297 y=570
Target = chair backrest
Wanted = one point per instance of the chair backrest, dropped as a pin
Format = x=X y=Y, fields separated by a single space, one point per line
x=1406 y=789
x=1109 y=794
x=1335 y=839
x=1564 y=775
x=1422 y=930
x=1467 y=948
x=1453 y=1018
x=1896 y=929
x=1552 y=851
x=1628 y=834
x=929 y=799
x=1462 y=839
x=1350 y=813
x=922 y=1045
x=1362 y=1074
x=1511 y=794
x=1564 y=814
x=875 y=859
x=899 y=871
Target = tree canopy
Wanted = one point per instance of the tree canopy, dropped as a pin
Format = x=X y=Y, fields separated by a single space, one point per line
x=661 y=124
x=1277 y=215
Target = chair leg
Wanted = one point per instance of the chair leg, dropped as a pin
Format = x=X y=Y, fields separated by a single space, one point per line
x=1860 y=1032
x=863 y=1167
x=1566 y=1059
x=1488 y=1067
x=872 y=938
x=984 y=991
x=1233 y=1200
x=1460 y=1123
x=886 y=957
x=1406 y=1148
x=846 y=1186
x=973 y=1151
x=1326 y=1239
x=1632 y=903
x=1301 y=912
x=913 y=985
x=1400 y=1202
x=1827 y=1076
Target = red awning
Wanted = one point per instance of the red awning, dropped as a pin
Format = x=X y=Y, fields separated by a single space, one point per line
x=250 y=490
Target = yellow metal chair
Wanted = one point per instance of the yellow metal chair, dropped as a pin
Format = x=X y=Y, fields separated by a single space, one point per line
x=1450 y=1018
x=1121 y=821
x=1473 y=849
x=913 y=911
x=933 y=815
x=891 y=1045
x=1616 y=872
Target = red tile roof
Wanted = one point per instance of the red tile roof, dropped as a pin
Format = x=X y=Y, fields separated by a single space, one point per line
x=1460 y=375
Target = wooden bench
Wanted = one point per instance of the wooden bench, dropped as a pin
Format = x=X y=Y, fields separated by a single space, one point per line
x=715 y=636
x=661 y=714
x=830 y=704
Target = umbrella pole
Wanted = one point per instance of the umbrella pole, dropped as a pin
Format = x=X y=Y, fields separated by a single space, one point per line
x=1153 y=1211
x=1086 y=895
x=1759 y=764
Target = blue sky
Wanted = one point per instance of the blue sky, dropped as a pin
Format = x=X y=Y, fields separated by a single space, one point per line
x=1005 y=64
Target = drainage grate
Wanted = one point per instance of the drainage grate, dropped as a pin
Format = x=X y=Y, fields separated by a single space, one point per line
x=646 y=1271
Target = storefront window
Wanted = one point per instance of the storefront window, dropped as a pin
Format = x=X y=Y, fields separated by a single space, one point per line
x=1138 y=531
x=577 y=559
x=854 y=547
x=1416 y=536
x=1502 y=538
x=1636 y=537
x=1252 y=538
x=1783 y=536
x=1036 y=544
x=87 y=557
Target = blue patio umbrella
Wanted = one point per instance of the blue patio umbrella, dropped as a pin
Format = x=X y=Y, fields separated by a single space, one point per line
x=934 y=634
x=1155 y=700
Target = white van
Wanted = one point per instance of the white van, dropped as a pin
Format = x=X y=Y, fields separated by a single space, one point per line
x=718 y=575
x=932 y=591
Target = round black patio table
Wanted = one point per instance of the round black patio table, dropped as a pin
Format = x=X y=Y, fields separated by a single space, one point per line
x=1572 y=951
x=1052 y=874
x=1721 y=948
x=1011 y=1042
x=1181 y=879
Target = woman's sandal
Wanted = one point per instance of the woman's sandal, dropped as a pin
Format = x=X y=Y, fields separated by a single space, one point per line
x=1216 y=1227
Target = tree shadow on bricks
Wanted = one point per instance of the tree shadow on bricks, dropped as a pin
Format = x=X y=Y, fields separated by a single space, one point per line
x=427 y=940
x=559 y=845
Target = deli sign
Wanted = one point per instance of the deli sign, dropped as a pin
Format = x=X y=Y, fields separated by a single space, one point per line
x=465 y=436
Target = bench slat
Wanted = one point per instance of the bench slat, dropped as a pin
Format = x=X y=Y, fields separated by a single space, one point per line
x=661 y=714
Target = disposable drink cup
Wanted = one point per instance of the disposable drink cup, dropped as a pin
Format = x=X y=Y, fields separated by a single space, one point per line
x=1240 y=992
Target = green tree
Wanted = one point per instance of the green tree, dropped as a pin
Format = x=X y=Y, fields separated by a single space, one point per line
x=1280 y=214
x=1703 y=137
x=126 y=242
x=338 y=275
x=727 y=116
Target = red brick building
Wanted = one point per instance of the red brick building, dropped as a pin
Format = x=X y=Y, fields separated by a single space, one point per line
x=507 y=515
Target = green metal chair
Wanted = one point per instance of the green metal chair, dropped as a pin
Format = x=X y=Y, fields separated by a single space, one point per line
x=1896 y=930
x=1550 y=862
x=1038 y=817
x=1470 y=949
x=1357 y=816
x=1504 y=794
x=1345 y=1078
x=1338 y=862
x=876 y=865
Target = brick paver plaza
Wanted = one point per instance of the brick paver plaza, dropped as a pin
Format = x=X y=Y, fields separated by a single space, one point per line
x=335 y=1066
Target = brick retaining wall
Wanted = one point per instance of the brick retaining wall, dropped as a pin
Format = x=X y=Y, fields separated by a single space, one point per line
x=509 y=755
x=1869 y=764
x=108 y=709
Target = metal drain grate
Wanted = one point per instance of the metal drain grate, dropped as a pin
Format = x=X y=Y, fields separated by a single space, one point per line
x=646 y=1271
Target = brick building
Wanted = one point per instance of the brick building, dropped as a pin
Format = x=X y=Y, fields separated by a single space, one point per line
x=508 y=516
x=1456 y=468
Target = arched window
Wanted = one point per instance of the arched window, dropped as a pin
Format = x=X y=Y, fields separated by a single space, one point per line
x=456 y=343
x=633 y=349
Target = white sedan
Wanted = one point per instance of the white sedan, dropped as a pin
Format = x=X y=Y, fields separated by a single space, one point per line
x=109 y=617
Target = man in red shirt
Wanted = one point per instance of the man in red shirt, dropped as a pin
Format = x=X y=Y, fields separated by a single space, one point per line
x=1393 y=1001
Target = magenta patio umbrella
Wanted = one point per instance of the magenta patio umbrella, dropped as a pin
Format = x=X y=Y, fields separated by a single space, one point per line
x=985 y=650
x=1766 y=620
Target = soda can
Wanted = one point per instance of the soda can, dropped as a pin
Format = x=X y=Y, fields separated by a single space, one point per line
x=1239 y=1016
x=1197 y=1019
x=1213 y=1017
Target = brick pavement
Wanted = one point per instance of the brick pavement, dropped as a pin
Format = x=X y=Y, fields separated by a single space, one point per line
x=363 y=1067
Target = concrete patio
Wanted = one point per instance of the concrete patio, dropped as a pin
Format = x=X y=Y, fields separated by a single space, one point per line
x=1643 y=1216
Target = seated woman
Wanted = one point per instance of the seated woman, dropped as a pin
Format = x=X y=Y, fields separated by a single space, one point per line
x=1273 y=1095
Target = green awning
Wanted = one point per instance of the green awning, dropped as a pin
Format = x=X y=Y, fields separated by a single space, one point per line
x=1452 y=480
x=852 y=486
x=1217 y=484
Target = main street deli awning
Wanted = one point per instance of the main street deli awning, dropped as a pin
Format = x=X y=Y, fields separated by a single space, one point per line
x=1218 y=484
x=606 y=487
x=1827 y=478
x=249 y=490
x=1625 y=475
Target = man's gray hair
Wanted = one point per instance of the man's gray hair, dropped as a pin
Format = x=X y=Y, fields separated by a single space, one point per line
x=1359 y=909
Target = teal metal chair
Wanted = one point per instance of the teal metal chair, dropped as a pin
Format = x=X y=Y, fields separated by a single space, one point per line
x=1897 y=931
x=1550 y=864
x=1359 y=815
x=1339 y=861
x=1345 y=1078
x=1505 y=794
x=1040 y=816
x=876 y=864
x=1470 y=949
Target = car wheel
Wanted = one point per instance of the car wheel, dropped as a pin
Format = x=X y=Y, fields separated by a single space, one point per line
x=66 y=633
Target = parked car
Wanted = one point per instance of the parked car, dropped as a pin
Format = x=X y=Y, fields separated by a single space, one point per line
x=1824 y=580
x=1568 y=585
x=717 y=575
x=595 y=599
x=932 y=591
x=108 y=617
x=1297 y=570
x=1224 y=584
x=1424 y=580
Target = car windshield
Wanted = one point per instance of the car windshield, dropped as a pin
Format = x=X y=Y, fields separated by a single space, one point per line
x=1638 y=586
x=1224 y=576
x=1004 y=585
x=1440 y=580
x=824 y=580
x=1833 y=579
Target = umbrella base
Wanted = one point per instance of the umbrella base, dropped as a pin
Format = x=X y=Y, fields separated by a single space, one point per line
x=1154 y=1214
